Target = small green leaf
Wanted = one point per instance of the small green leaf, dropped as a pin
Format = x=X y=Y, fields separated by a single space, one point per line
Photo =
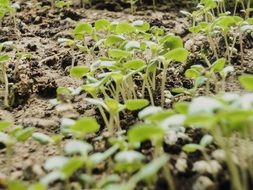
x=136 y=104
x=149 y=111
x=84 y=126
x=129 y=156
x=24 y=134
x=118 y=54
x=134 y=64
x=171 y=42
x=125 y=28
x=247 y=82
x=102 y=24
x=72 y=165
x=4 y=58
x=113 y=105
x=192 y=73
x=178 y=54
x=206 y=140
x=190 y=148
x=81 y=29
x=131 y=45
x=113 y=39
x=219 y=65
x=79 y=71
x=141 y=25
x=148 y=170
x=55 y=162
x=4 y=125
x=77 y=147
x=143 y=132
x=42 y=138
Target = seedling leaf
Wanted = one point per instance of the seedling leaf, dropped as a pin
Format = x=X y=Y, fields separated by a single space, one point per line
x=136 y=104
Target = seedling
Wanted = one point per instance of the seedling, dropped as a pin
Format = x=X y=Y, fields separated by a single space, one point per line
x=5 y=7
x=15 y=134
x=179 y=55
x=129 y=161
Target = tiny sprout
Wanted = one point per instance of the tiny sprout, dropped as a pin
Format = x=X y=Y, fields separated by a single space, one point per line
x=83 y=126
x=150 y=110
x=129 y=156
x=190 y=148
x=143 y=132
x=136 y=104
x=118 y=54
x=81 y=29
x=77 y=147
x=79 y=71
x=102 y=24
x=125 y=28
x=206 y=140
x=147 y=171
x=128 y=161
x=55 y=162
x=42 y=138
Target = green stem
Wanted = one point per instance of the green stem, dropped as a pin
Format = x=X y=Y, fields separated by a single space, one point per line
x=8 y=159
x=164 y=74
x=6 y=83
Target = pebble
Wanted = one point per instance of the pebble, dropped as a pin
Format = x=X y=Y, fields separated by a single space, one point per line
x=203 y=183
x=211 y=167
x=181 y=164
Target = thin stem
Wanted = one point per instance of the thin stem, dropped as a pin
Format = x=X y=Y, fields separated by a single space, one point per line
x=6 y=93
x=164 y=74
x=9 y=151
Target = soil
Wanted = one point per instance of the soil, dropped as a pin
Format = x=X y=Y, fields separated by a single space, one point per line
x=34 y=83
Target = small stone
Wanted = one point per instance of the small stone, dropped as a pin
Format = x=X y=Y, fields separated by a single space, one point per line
x=211 y=167
x=219 y=155
x=203 y=183
x=181 y=165
x=38 y=170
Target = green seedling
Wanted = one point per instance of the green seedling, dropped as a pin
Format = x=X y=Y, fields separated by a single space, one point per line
x=178 y=55
x=154 y=133
x=113 y=107
x=129 y=161
x=62 y=171
x=82 y=127
x=146 y=172
x=5 y=7
x=9 y=139
x=204 y=142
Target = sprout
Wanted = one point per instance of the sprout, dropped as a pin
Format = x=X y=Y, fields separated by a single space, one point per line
x=83 y=126
x=55 y=163
x=136 y=104
x=77 y=147
x=42 y=138
x=79 y=71
x=129 y=157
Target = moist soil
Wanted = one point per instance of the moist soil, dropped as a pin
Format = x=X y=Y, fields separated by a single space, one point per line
x=34 y=82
